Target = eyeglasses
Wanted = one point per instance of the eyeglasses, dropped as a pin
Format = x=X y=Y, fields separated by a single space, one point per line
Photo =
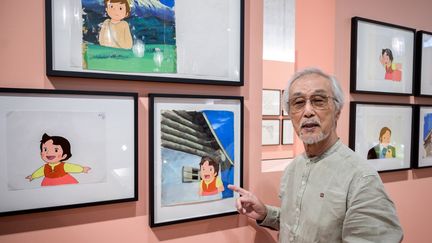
x=319 y=102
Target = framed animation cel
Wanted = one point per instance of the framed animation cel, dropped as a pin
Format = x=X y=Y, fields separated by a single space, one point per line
x=382 y=57
x=146 y=40
x=196 y=150
x=424 y=62
x=423 y=153
x=382 y=134
x=62 y=149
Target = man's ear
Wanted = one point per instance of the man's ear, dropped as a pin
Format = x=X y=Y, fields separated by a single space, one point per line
x=64 y=156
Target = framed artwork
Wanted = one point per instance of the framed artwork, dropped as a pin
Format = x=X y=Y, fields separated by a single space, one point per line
x=270 y=132
x=196 y=150
x=287 y=132
x=79 y=149
x=146 y=40
x=382 y=134
x=271 y=102
x=382 y=57
x=424 y=62
x=284 y=113
x=422 y=137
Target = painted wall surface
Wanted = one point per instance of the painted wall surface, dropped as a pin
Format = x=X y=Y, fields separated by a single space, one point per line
x=408 y=189
x=322 y=39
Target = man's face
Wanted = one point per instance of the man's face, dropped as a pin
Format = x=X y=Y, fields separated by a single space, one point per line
x=313 y=125
x=52 y=153
x=116 y=11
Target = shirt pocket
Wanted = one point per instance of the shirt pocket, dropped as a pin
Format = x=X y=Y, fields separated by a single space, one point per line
x=334 y=205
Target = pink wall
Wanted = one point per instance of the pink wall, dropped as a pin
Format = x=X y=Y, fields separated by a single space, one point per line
x=321 y=27
x=408 y=189
x=23 y=65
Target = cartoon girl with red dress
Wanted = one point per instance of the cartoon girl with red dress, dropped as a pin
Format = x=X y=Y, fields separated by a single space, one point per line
x=55 y=151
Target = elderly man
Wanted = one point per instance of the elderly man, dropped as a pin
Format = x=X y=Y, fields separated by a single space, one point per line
x=329 y=193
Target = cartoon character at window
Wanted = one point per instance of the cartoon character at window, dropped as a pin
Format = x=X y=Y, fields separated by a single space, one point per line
x=55 y=150
x=383 y=150
x=211 y=183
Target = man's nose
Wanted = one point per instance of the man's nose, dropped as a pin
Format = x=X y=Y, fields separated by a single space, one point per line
x=308 y=109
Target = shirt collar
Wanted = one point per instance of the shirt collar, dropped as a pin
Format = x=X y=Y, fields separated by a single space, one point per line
x=327 y=153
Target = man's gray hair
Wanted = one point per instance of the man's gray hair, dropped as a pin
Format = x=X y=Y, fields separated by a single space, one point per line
x=336 y=88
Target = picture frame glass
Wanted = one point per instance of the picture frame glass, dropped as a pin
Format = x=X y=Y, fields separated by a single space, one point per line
x=384 y=58
x=78 y=149
x=150 y=40
x=270 y=132
x=271 y=102
x=426 y=62
x=193 y=136
x=382 y=137
x=424 y=140
x=287 y=132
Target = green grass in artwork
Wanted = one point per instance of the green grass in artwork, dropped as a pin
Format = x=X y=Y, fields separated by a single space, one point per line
x=123 y=60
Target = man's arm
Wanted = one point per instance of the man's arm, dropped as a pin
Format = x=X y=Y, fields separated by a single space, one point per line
x=371 y=215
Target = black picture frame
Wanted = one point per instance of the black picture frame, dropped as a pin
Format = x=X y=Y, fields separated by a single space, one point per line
x=423 y=77
x=371 y=122
x=212 y=55
x=92 y=123
x=382 y=58
x=183 y=129
x=422 y=136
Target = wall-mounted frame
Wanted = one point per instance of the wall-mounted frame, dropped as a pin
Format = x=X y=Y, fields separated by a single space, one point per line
x=382 y=57
x=186 y=130
x=64 y=149
x=284 y=113
x=382 y=134
x=271 y=100
x=287 y=132
x=161 y=41
x=423 y=136
x=270 y=132
x=423 y=63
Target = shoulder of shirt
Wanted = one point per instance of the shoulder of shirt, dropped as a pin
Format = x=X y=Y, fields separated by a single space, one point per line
x=352 y=161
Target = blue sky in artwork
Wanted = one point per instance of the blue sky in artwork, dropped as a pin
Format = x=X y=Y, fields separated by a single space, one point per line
x=169 y=3
x=427 y=124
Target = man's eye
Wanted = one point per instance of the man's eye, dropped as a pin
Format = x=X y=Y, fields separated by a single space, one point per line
x=299 y=102
x=56 y=150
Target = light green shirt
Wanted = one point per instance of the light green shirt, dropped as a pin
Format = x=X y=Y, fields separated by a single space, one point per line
x=335 y=197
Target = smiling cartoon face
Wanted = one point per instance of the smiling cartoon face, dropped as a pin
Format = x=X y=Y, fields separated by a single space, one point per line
x=52 y=153
x=207 y=172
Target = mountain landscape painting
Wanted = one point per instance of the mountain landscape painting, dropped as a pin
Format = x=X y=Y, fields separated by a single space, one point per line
x=132 y=36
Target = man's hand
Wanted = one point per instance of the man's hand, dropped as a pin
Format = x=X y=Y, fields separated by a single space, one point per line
x=248 y=204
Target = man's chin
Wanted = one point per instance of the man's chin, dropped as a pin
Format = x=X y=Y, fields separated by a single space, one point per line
x=312 y=139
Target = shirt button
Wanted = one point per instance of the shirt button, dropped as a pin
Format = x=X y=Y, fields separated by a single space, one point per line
x=303 y=182
x=291 y=238
x=297 y=210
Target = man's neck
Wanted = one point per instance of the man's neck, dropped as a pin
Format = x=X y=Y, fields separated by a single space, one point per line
x=317 y=149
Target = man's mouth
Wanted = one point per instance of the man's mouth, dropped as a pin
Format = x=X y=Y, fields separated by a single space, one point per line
x=308 y=125
x=50 y=157
x=206 y=176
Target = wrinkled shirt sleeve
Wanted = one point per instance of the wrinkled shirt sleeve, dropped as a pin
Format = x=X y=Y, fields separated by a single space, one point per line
x=371 y=215
x=272 y=219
